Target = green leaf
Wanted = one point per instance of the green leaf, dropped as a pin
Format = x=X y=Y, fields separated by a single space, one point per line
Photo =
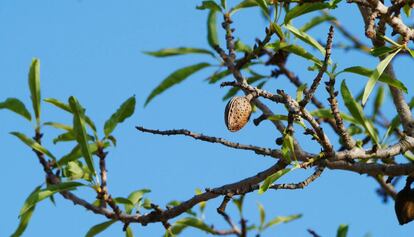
x=80 y=132
x=271 y=179
x=135 y=197
x=218 y=76
x=33 y=144
x=181 y=224
x=178 y=51
x=223 y=4
x=244 y=4
x=34 y=85
x=303 y=9
x=282 y=219
x=241 y=47
x=383 y=78
x=239 y=204
x=25 y=218
x=376 y=75
x=342 y=231
x=64 y=137
x=299 y=92
x=124 y=111
x=175 y=78
x=58 y=104
x=407 y=10
x=75 y=170
x=305 y=38
x=76 y=153
x=209 y=5
x=356 y=111
x=265 y=8
x=67 y=108
x=212 y=36
x=299 y=51
x=96 y=229
x=16 y=106
x=42 y=194
x=262 y=216
x=380 y=51
x=59 y=126
x=395 y=122
x=316 y=21
x=128 y=232
x=201 y=204
x=121 y=200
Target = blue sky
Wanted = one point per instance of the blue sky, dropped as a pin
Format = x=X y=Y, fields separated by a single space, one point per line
x=93 y=50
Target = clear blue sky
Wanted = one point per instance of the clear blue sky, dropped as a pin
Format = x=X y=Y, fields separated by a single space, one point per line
x=93 y=50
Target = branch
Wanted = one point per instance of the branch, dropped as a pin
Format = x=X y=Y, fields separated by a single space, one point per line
x=258 y=150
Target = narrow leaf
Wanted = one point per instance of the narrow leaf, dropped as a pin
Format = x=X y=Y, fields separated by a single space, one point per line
x=16 y=106
x=271 y=179
x=375 y=76
x=175 y=78
x=134 y=198
x=128 y=232
x=181 y=224
x=212 y=5
x=303 y=9
x=25 y=218
x=316 y=21
x=34 y=85
x=212 y=36
x=305 y=38
x=356 y=111
x=385 y=78
x=262 y=216
x=124 y=111
x=33 y=144
x=42 y=194
x=282 y=219
x=342 y=231
x=80 y=132
x=96 y=229
x=178 y=51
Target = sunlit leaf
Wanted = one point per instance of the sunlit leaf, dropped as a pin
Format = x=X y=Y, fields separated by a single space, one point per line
x=181 y=224
x=356 y=111
x=124 y=111
x=33 y=144
x=305 y=8
x=271 y=179
x=96 y=229
x=262 y=216
x=25 y=218
x=383 y=78
x=316 y=21
x=135 y=197
x=128 y=232
x=305 y=38
x=282 y=219
x=175 y=78
x=342 y=231
x=212 y=36
x=16 y=106
x=34 y=85
x=41 y=194
x=168 y=52
x=375 y=76
x=80 y=132
x=212 y=5
x=76 y=153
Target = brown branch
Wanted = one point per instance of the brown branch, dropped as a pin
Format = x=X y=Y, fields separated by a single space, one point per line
x=348 y=141
x=318 y=78
x=302 y=184
x=258 y=150
x=388 y=188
